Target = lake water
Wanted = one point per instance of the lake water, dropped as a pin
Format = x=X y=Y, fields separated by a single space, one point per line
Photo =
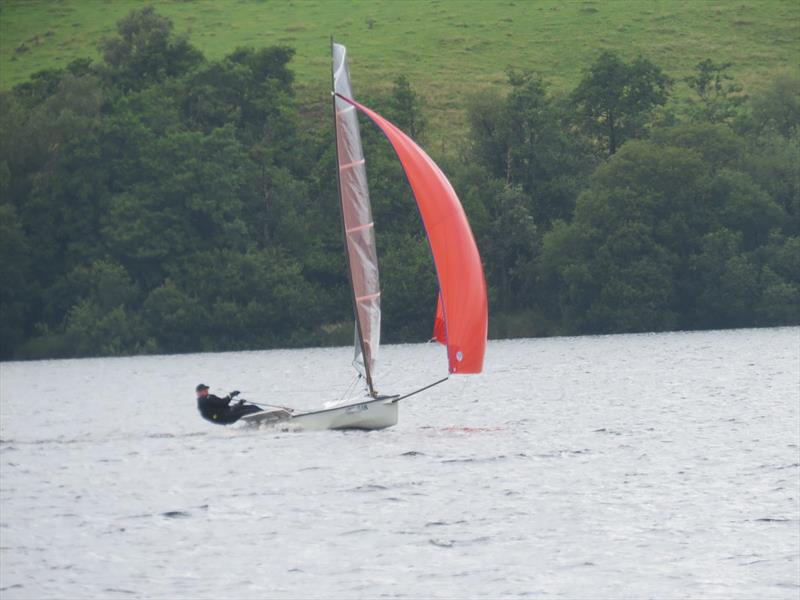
x=616 y=466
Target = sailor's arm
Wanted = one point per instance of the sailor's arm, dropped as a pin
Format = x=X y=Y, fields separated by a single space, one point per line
x=232 y=397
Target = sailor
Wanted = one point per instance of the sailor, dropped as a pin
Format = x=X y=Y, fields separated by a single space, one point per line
x=219 y=410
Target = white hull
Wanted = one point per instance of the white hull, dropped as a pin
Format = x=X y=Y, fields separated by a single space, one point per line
x=372 y=414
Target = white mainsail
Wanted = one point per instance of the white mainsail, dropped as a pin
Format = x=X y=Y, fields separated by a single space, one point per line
x=359 y=231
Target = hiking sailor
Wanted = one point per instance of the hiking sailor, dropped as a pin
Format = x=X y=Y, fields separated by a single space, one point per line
x=219 y=410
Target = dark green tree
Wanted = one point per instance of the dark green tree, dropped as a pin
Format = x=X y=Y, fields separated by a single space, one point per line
x=779 y=301
x=614 y=99
x=522 y=140
x=408 y=286
x=776 y=106
x=16 y=288
x=719 y=96
x=779 y=282
x=726 y=281
x=101 y=321
x=511 y=251
x=405 y=108
x=145 y=51
x=617 y=266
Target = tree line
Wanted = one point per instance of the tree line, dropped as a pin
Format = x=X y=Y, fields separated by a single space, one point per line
x=158 y=201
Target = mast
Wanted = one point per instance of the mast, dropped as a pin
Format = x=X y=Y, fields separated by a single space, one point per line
x=366 y=353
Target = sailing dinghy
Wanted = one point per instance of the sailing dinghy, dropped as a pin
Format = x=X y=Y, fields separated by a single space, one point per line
x=462 y=310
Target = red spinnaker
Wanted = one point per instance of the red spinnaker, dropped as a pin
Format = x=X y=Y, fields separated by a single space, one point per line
x=462 y=306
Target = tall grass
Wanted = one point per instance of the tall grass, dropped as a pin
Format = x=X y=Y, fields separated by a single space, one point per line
x=448 y=48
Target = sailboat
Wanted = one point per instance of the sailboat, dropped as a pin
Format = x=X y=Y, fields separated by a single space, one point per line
x=461 y=317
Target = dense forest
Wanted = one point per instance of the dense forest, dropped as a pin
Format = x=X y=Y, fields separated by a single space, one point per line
x=157 y=201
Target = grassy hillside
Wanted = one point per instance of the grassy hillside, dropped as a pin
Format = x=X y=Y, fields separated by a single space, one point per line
x=448 y=48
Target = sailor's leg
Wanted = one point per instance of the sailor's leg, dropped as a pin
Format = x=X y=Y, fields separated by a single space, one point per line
x=237 y=412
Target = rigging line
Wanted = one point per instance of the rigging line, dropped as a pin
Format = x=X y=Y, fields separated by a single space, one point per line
x=262 y=405
x=287 y=391
x=267 y=404
x=350 y=387
x=422 y=389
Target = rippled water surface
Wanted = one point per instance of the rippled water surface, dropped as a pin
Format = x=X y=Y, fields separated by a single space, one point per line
x=621 y=466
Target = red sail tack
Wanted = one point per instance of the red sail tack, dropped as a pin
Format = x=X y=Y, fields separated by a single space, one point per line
x=462 y=295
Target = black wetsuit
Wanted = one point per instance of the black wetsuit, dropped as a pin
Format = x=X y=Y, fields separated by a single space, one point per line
x=216 y=409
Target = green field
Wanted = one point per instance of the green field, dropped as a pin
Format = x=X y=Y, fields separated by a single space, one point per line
x=447 y=48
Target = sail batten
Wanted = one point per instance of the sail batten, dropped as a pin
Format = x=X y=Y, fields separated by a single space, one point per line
x=351 y=165
x=360 y=227
x=357 y=223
